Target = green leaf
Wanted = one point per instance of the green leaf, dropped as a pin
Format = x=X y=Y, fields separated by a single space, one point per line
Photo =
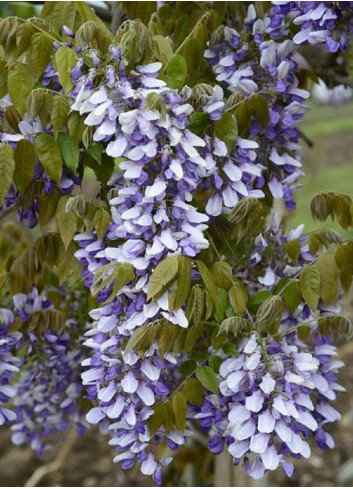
x=75 y=127
x=87 y=14
x=41 y=49
x=310 y=286
x=139 y=10
x=166 y=16
x=119 y=275
x=323 y=239
x=7 y=169
x=19 y=86
x=198 y=122
x=304 y=331
x=195 y=305
x=223 y=303
x=162 y=277
x=259 y=107
x=163 y=415
x=24 y=165
x=222 y=274
x=193 y=392
x=232 y=325
x=269 y=315
x=329 y=278
x=335 y=324
x=89 y=33
x=60 y=112
x=292 y=248
x=3 y=77
x=194 y=42
x=179 y=407
x=332 y=204
x=95 y=150
x=210 y=285
x=65 y=59
x=49 y=155
x=215 y=362
x=193 y=334
x=162 y=48
x=238 y=299
x=47 y=206
x=166 y=337
x=143 y=338
x=243 y=114
x=292 y=296
x=102 y=220
x=226 y=129
x=183 y=283
x=39 y=104
x=344 y=257
x=230 y=349
x=67 y=221
x=342 y=204
x=257 y=299
x=207 y=377
x=69 y=151
x=176 y=71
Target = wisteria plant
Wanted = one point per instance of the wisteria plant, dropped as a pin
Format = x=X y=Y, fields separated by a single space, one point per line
x=160 y=295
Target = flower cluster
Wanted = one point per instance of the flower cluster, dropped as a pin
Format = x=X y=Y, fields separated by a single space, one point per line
x=9 y=343
x=266 y=69
x=273 y=395
x=320 y=22
x=44 y=384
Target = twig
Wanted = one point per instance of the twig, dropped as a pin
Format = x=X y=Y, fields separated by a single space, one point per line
x=307 y=140
x=56 y=464
x=7 y=212
x=117 y=16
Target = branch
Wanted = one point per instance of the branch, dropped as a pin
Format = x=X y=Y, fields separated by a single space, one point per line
x=56 y=464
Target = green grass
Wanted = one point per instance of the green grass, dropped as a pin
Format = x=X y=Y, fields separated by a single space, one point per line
x=324 y=172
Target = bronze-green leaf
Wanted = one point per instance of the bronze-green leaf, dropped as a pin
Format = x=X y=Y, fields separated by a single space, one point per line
x=238 y=299
x=226 y=129
x=60 y=112
x=102 y=220
x=163 y=275
x=19 y=86
x=24 y=165
x=209 y=282
x=183 y=283
x=193 y=392
x=41 y=48
x=344 y=257
x=49 y=155
x=166 y=337
x=7 y=169
x=292 y=295
x=329 y=278
x=179 y=407
x=310 y=286
x=67 y=221
x=65 y=59
x=269 y=315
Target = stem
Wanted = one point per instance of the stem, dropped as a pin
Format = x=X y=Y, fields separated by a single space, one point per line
x=7 y=212
x=57 y=463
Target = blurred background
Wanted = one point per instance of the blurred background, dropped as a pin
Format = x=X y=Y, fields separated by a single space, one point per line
x=87 y=461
